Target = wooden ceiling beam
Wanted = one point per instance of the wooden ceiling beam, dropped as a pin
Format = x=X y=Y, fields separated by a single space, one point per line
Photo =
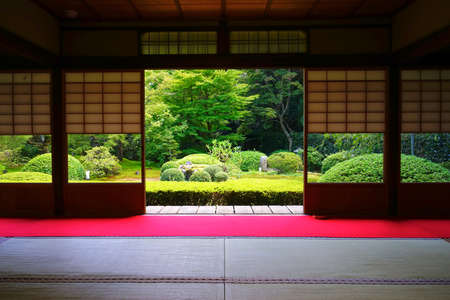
x=311 y=9
x=91 y=9
x=179 y=8
x=223 y=9
x=135 y=9
x=267 y=8
x=358 y=7
x=47 y=9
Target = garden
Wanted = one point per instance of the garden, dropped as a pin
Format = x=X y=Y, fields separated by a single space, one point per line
x=216 y=137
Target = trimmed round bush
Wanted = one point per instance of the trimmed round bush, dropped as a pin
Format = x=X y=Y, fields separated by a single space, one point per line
x=332 y=159
x=100 y=162
x=247 y=160
x=369 y=168
x=172 y=175
x=221 y=176
x=314 y=160
x=169 y=165
x=200 y=176
x=446 y=164
x=285 y=162
x=26 y=177
x=417 y=169
x=213 y=170
x=43 y=164
x=204 y=159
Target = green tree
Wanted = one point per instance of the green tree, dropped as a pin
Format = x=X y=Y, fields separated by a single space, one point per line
x=278 y=110
x=211 y=102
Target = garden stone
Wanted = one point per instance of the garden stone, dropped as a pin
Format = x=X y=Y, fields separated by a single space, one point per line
x=263 y=163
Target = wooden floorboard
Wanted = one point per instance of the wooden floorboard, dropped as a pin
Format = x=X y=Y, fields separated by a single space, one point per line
x=226 y=210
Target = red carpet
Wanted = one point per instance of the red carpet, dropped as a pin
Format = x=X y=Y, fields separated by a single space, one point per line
x=259 y=226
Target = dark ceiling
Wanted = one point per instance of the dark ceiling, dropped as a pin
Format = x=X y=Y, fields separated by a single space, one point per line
x=171 y=10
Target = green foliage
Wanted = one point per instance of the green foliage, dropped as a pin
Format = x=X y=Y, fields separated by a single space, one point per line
x=333 y=159
x=222 y=150
x=26 y=177
x=359 y=143
x=314 y=160
x=169 y=165
x=285 y=162
x=200 y=176
x=213 y=170
x=220 y=176
x=100 y=162
x=163 y=130
x=208 y=101
x=2 y=168
x=247 y=160
x=43 y=163
x=431 y=146
x=446 y=164
x=416 y=169
x=273 y=121
x=172 y=175
x=205 y=159
x=232 y=192
x=12 y=158
x=369 y=168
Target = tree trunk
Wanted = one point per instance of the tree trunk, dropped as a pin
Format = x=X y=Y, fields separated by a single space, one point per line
x=286 y=133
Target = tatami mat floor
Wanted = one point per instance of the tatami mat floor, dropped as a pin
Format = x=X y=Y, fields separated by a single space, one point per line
x=224 y=268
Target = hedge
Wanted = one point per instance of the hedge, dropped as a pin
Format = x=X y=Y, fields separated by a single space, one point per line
x=333 y=159
x=43 y=164
x=204 y=159
x=232 y=192
x=247 y=160
x=25 y=177
x=369 y=168
x=285 y=162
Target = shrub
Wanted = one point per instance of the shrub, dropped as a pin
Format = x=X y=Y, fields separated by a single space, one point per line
x=200 y=176
x=172 y=175
x=26 y=177
x=43 y=164
x=100 y=162
x=205 y=159
x=416 y=169
x=249 y=191
x=247 y=160
x=2 y=168
x=213 y=170
x=369 y=168
x=446 y=164
x=169 y=165
x=220 y=176
x=285 y=162
x=12 y=158
x=314 y=160
x=222 y=150
x=333 y=159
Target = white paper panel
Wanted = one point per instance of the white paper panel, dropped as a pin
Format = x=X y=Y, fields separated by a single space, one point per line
x=424 y=100
x=105 y=102
x=351 y=97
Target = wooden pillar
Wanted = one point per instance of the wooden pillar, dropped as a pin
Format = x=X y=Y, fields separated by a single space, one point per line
x=59 y=141
x=223 y=39
x=392 y=143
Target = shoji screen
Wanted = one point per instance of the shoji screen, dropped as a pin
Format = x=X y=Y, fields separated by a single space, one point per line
x=345 y=101
x=25 y=103
x=178 y=42
x=103 y=102
x=425 y=96
x=271 y=41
